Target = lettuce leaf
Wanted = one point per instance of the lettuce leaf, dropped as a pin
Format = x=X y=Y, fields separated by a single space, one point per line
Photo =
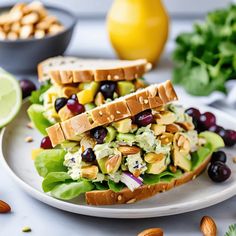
x=53 y=179
x=116 y=187
x=35 y=112
x=101 y=186
x=35 y=97
x=50 y=161
x=68 y=191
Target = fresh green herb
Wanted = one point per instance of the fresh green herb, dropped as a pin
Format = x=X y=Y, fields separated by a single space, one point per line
x=50 y=160
x=116 y=187
x=35 y=112
x=68 y=191
x=206 y=57
x=36 y=97
x=231 y=230
x=53 y=179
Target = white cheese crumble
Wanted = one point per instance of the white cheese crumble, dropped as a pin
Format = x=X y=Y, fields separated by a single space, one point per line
x=135 y=162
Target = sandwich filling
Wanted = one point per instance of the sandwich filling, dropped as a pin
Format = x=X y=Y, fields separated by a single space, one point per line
x=55 y=103
x=156 y=145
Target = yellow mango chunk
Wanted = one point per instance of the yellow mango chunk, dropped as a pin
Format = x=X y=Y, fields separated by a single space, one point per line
x=85 y=96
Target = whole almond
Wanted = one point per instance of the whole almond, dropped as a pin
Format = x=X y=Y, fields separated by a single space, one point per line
x=208 y=226
x=4 y=207
x=152 y=232
x=128 y=150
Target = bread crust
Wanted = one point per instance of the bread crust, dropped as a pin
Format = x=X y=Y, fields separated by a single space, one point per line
x=150 y=97
x=108 y=197
x=84 y=70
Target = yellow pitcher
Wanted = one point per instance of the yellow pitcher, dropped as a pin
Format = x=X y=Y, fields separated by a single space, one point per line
x=138 y=28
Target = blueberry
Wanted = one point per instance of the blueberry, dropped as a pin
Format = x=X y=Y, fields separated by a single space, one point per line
x=219 y=172
x=218 y=156
x=59 y=103
x=107 y=89
x=99 y=134
x=88 y=155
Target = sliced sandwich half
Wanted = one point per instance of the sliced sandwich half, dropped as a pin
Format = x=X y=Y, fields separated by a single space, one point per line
x=72 y=86
x=126 y=150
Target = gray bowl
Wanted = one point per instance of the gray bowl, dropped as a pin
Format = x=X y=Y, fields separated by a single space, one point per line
x=22 y=56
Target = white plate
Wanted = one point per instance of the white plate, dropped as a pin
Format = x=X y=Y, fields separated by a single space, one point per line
x=197 y=194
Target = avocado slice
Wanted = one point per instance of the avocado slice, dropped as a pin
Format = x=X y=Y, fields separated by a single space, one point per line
x=199 y=156
x=212 y=138
x=123 y=126
x=102 y=164
x=128 y=138
x=182 y=161
x=125 y=87
x=94 y=86
x=89 y=106
x=111 y=134
x=68 y=144
x=156 y=167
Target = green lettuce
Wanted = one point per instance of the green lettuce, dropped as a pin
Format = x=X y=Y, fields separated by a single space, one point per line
x=53 y=179
x=35 y=112
x=68 y=191
x=50 y=161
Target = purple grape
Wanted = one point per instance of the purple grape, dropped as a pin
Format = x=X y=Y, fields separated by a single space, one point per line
x=207 y=120
x=230 y=137
x=216 y=128
x=107 y=89
x=219 y=172
x=46 y=143
x=218 y=156
x=75 y=107
x=144 y=118
x=99 y=134
x=59 y=103
x=74 y=97
x=88 y=155
x=27 y=87
x=193 y=112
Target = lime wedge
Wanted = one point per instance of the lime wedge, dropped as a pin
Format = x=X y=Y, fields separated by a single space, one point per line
x=10 y=97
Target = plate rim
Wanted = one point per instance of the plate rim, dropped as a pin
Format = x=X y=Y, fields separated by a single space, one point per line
x=149 y=212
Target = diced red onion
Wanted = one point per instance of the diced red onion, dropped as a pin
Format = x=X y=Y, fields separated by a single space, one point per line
x=131 y=181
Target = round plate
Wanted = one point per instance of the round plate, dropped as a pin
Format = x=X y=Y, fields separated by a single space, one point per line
x=200 y=193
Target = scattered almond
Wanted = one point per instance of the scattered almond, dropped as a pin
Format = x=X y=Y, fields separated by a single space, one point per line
x=29 y=139
x=30 y=125
x=152 y=232
x=129 y=150
x=4 y=207
x=234 y=160
x=208 y=226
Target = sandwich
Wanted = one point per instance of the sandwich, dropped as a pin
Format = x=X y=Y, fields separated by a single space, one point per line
x=72 y=86
x=126 y=150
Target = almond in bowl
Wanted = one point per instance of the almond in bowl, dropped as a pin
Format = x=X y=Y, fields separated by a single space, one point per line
x=24 y=21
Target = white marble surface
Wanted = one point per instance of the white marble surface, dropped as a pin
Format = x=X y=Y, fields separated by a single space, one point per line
x=90 y=40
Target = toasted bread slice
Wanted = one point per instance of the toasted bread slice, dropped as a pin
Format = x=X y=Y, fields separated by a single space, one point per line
x=108 y=197
x=150 y=97
x=66 y=70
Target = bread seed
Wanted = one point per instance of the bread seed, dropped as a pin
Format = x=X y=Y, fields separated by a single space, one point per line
x=131 y=201
x=119 y=197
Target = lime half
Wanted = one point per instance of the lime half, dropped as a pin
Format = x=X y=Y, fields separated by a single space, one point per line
x=10 y=97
